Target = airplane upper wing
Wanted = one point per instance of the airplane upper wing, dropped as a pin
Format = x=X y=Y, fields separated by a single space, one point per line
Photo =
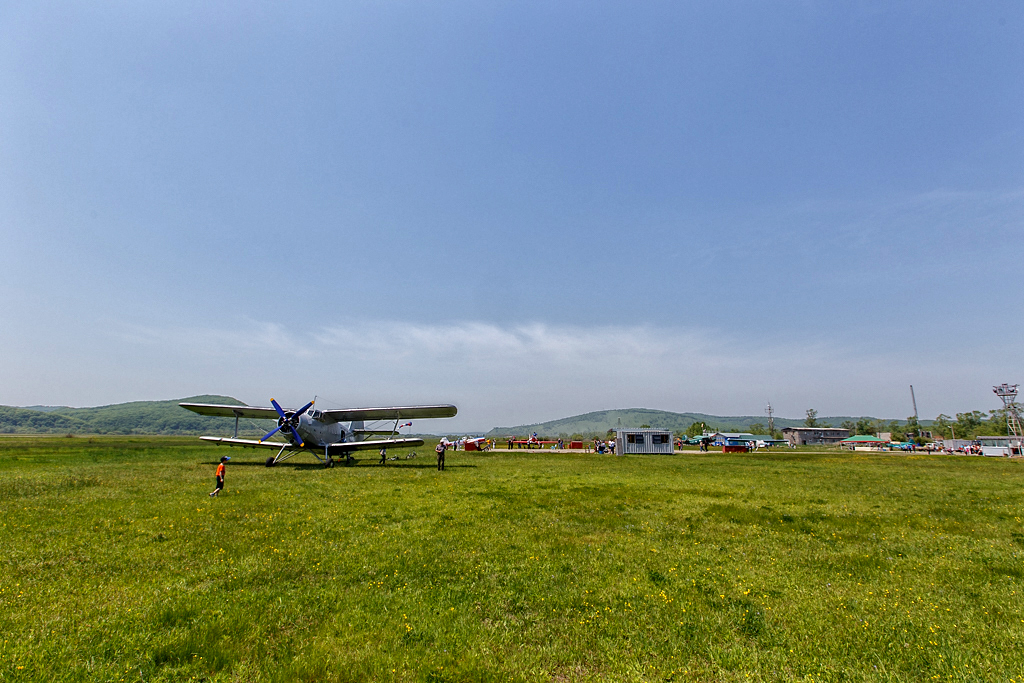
x=395 y=413
x=253 y=412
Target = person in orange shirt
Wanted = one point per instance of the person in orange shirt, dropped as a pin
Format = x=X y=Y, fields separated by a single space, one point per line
x=220 y=476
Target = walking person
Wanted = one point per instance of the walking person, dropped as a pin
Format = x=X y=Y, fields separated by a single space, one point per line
x=220 y=477
x=441 y=448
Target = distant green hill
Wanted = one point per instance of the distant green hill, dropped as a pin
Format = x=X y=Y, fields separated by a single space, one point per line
x=139 y=417
x=167 y=417
x=28 y=421
x=601 y=421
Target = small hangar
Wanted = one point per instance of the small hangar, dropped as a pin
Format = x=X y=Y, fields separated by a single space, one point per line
x=643 y=441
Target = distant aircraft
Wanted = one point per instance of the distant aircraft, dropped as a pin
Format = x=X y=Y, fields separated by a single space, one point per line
x=320 y=431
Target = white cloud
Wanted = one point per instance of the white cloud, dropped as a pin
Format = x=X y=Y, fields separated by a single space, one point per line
x=514 y=375
x=253 y=338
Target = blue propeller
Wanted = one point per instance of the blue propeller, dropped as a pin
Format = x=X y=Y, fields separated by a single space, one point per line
x=287 y=421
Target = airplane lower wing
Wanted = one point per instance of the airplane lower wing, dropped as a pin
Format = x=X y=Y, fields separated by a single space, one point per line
x=395 y=413
x=245 y=443
x=334 y=448
x=376 y=432
x=375 y=444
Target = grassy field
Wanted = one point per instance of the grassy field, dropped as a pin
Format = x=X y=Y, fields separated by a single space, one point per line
x=523 y=566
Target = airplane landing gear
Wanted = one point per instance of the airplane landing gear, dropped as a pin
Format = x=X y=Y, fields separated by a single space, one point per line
x=329 y=462
x=270 y=461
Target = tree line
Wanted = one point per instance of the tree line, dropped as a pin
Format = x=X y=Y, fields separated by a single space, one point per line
x=966 y=426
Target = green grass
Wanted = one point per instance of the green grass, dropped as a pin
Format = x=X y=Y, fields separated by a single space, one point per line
x=525 y=566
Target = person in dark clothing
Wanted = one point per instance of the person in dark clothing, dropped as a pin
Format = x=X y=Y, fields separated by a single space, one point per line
x=441 y=448
x=220 y=476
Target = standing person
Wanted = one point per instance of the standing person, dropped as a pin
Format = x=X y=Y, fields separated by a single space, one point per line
x=220 y=476
x=441 y=448
x=383 y=455
x=510 y=439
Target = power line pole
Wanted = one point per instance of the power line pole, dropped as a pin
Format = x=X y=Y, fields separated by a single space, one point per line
x=771 y=420
x=913 y=400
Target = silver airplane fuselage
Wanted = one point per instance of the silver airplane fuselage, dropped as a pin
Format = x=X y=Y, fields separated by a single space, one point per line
x=317 y=434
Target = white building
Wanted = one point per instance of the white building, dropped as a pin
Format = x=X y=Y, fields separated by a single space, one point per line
x=643 y=441
x=800 y=436
x=999 y=446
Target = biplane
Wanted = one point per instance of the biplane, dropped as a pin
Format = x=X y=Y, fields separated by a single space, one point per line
x=326 y=434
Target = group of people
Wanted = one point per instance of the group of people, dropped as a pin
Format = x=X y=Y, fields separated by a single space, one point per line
x=460 y=444
x=532 y=441
x=967 y=449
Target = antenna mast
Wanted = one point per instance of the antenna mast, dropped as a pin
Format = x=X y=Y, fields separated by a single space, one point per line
x=1008 y=393
x=913 y=400
x=771 y=420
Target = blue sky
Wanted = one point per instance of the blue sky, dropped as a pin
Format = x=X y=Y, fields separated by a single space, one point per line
x=532 y=209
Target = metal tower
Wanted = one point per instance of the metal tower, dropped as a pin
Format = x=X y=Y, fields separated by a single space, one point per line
x=1008 y=393
x=771 y=420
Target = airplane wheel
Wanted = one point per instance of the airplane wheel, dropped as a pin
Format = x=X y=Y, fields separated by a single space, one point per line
x=270 y=461
x=329 y=463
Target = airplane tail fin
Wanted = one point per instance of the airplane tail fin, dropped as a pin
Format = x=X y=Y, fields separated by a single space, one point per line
x=355 y=426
